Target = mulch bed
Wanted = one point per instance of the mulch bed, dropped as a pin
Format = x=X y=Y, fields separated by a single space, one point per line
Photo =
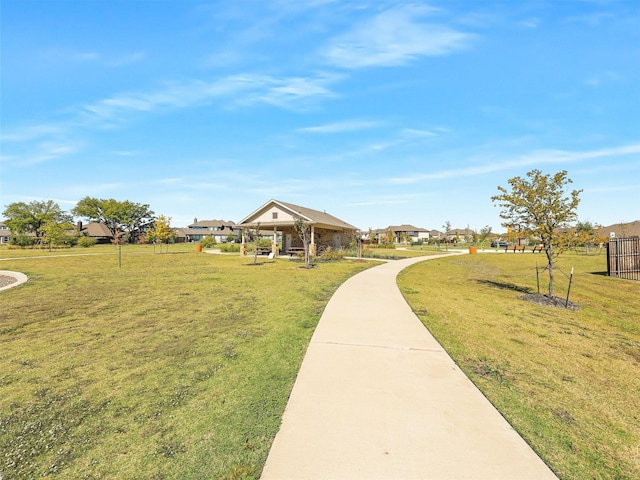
x=547 y=301
x=7 y=280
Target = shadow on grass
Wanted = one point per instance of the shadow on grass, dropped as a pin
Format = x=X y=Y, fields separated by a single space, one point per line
x=504 y=286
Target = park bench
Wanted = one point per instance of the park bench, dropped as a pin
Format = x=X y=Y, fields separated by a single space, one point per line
x=514 y=248
x=538 y=248
x=263 y=250
x=295 y=251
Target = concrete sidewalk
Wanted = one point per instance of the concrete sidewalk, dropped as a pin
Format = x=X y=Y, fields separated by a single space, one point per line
x=378 y=398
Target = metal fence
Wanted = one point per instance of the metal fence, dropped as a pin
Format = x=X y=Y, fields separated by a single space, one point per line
x=623 y=258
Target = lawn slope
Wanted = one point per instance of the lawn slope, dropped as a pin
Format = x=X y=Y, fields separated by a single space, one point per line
x=568 y=381
x=176 y=365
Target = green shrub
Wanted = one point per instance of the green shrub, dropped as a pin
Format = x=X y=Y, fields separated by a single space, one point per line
x=208 y=242
x=265 y=242
x=381 y=245
x=333 y=254
x=229 y=247
x=86 y=242
x=21 y=240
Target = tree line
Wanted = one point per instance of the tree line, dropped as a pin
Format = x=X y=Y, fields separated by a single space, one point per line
x=539 y=206
x=45 y=223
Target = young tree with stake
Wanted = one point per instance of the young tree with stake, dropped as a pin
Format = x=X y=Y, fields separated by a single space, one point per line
x=542 y=207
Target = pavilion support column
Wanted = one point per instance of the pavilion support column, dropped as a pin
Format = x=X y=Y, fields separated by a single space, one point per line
x=243 y=246
x=312 y=246
x=274 y=242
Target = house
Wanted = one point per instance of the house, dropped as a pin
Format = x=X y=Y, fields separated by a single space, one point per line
x=407 y=233
x=221 y=230
x=436 y=234
x=98 y=231
x=462 y=235
x=401 y=234
x=5 y=233
x=620 y=230
x=94 y=230
x=280 y=217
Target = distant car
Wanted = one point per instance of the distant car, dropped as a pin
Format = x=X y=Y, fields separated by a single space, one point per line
x=499 y=243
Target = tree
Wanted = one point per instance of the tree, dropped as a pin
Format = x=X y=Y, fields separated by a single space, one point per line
x=254 y=236
x=542 y=207
x=586 y=235
x=447 y=229
x=304 y=231
x=161 y=231
x=32 y=217
x=483 y=235
x=56 y=233
x=624 y=230
x=125 y=220
x=390 y=237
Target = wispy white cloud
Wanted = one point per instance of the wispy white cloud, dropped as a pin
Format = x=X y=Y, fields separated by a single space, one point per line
x=394 y=37
x=406 y=136
x=64 y=55
x=289 y=92
x=39 y=143
x=613 y=188
x=535 y=159
x=416 y=133
x=592 y=19
x=340 y=127
x=31 y=132
x=532 y=22
x=124 y=59
x=248 y=89
x=602 y=79
x=45 y=152
x=124 y=153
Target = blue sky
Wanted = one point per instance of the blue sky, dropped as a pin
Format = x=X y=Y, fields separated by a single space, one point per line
x=379 y=112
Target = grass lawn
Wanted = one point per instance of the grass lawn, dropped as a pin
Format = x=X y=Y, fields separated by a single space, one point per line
x=176 y=365
x=568 y=381
x=401 y=252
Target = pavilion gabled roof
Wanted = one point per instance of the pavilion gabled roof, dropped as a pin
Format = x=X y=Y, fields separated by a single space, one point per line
x=308 y=215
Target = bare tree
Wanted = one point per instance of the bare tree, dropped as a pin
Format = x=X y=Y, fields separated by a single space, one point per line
x=304 y=231
x=447 y=229
x=254 y=237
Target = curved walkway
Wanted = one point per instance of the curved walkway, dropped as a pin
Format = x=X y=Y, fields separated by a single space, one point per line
x=378 y=398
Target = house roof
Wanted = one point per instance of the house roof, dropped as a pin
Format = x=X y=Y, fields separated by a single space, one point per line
x=460 y=231
x=184 y=231
x=629 y=229
x=309 y=215
x=404 y=228
x=212 y=223
x=96 y=230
